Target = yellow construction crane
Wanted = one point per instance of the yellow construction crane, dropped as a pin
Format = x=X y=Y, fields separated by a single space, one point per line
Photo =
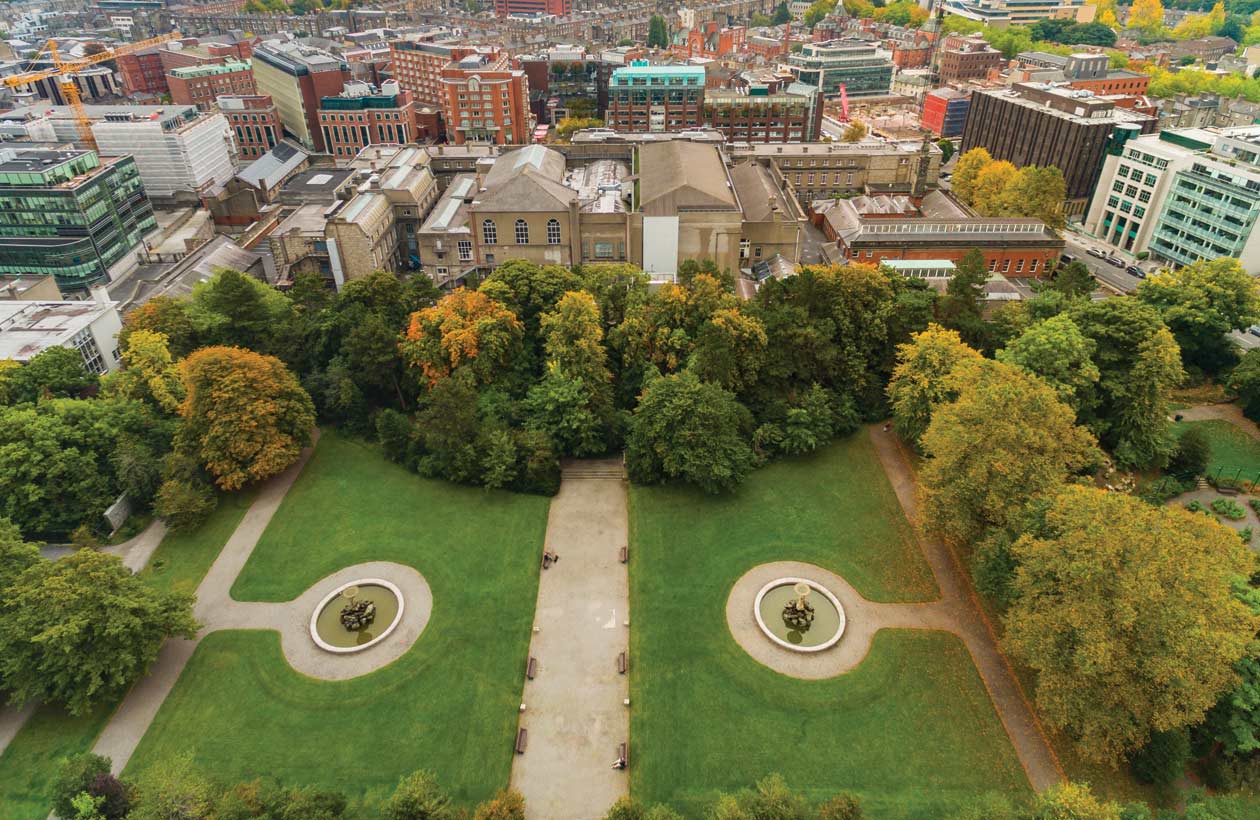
x=65 y=69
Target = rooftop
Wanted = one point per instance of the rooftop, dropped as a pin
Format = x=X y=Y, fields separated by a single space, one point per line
x=208 y=69
x=269 y=169
x=34 y=161
x=27 y=328
x=679 y=175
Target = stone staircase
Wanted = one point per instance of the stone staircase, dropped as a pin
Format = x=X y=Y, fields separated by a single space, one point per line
x=605 y=469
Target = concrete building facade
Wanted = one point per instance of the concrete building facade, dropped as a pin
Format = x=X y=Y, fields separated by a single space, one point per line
x=643 y=98
x=296 y=77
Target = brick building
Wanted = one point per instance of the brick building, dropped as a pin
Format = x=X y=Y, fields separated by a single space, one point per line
x=792 y=113
x=200 y=85
x=143 y=72
x=709 y=40
x=656 y=98
x=361 y=116
x=254 y=122
x=968 y=58
x=417 y=66
x=486 y=99
x=560 y=8
x=872 y=229
x=1129 y=83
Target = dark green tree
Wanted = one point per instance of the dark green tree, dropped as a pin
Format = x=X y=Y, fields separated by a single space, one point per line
x=90 y=773
x=57 y=372
x=419 y=797
x=232 y=308
x=1073 y=279
x=1244 y=380
x=81 y=629
x=781 y=15
x=688 y=430
x=658 y=32
x=1193 y=453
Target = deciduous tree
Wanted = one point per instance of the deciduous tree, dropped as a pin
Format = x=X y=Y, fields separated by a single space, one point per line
x=149 y=372
x=83 y=628
x=966 y=172
x=1147 y=15
x=920 y=382
x=465 y=329
x=232 y=308
x=245 y=417
x=1127 y=613
x=1004 y=442
x=506 y=805
x=1244 y=380
x=1056 y=351
x=57 y=372
x=1202 y=302
x=688 y=430
x=165 y=315
x=419 y=797
x=1138 y=366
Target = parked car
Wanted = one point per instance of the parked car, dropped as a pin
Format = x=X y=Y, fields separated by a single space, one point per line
x=1096 y=252
x=1134 y=270
x=1114 y=260
x=1254 y=330
x=1067 y=259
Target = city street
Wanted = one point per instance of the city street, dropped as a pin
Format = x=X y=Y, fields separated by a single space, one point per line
x=1109 y=275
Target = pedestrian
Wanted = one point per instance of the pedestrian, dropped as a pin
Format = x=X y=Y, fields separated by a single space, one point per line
x=887 y=427
x=619 y=763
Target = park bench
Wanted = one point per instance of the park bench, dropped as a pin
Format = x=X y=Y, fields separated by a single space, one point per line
x=623 y=554
x=521 y=735
x=1224 y=490
x=531 y=668
x=622 y=663
x=623 y=753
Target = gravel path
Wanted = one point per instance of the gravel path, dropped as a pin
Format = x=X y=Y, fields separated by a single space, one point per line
x=1230 y=412
x=216 y=610
x=965 y=618
x=574 y=711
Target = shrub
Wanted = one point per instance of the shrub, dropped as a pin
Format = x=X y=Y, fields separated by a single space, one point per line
x=394 y=431
x=1163 y=759
x=1192 y=455
x=89 y=773
x=505 y=806
x=1196 y=506
x=418 y=797
x=1229 y=508
x=1255 y=504
x=625 y=808
x=1245 y=535
x=184 y=504
x=843 y=806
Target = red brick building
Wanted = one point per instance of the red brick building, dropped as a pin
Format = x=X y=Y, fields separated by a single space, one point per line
x=143 y=72
x=945 y=111
x=361 y=116
x=486 y=99
x=1129 y=83
x=560 y=8
x=911 y=55
x=1014 y=246
x=709 y=40
x=199 y=85
x=968 y=59
x=254 y=122
x=417 y=66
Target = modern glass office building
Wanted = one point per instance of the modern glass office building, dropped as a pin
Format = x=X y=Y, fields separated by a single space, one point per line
x=68 y=214
x=865 y=70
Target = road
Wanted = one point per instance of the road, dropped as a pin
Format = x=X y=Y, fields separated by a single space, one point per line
x=1118 y=280
x=1108 y=274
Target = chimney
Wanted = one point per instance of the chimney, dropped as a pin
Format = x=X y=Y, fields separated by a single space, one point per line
x=100 y=294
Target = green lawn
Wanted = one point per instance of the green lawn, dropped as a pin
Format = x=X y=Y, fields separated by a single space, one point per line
x=1234 y=453
x=449 y=704
x=911 y=730
x=30 y=762
x=183 y=559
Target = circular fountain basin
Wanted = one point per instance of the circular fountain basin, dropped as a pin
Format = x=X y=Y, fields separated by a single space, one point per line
x=826 y=629
x=330 y=635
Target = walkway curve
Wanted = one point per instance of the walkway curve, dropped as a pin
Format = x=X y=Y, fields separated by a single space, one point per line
x=863 y=619
x=215 y=609
x=957 y=596
x=1229 y=412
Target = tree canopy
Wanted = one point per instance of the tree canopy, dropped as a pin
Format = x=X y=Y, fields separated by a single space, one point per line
x=1127 y=613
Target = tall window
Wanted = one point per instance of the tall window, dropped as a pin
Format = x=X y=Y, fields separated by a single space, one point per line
x=489 y=233
x=553 y=231
x=522 y=232
x=465 y=250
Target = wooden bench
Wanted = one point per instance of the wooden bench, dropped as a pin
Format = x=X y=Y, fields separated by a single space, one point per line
x=622 y=663
x=1227 y=490
x=623 y=753
x=623 y=554
x=521 y=735
x=531 y=668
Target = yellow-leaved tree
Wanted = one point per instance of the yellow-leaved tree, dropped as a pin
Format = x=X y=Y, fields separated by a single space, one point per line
x=1146 y=15
x=1128 y=615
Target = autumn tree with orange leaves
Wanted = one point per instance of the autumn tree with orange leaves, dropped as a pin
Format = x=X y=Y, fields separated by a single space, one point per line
x=468 y=329
x=245 y=416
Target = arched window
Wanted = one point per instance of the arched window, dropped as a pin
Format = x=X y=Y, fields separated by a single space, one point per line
x=522 y=232
x=489 y=233
x=553 y=232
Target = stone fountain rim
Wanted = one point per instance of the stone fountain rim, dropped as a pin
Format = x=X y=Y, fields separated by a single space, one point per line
x=817 y=587
x=346 y=650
